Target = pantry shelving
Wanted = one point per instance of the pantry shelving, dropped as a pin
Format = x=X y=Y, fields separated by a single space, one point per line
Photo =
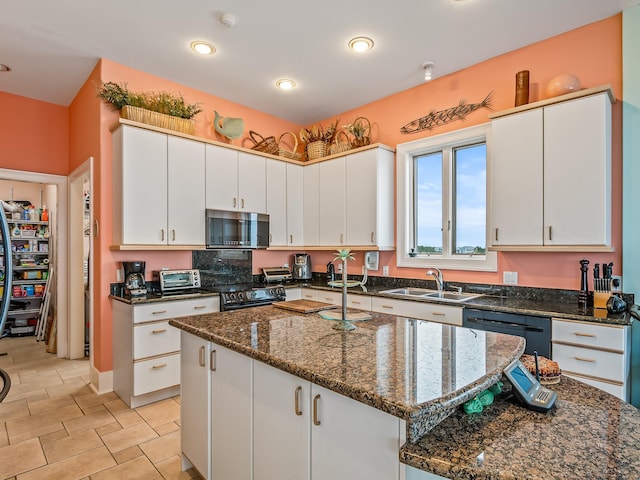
x=30 y=259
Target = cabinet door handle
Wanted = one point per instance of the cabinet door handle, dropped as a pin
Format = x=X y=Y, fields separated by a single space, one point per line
x=496 y=234
x=162 y=365
x=341 y=238
x=158 y=312
x=297 y=401
x=162 y=234
x=315 y=410
x=550 y=239
x=582 y=359
x=270 y=238
x=579 y=334
x=199 y=307
x=438 y=314
x=355 y=302
x=387 y=306
x=373 y=237
x=201 y=356
x=161 y=330
x=290 y=239
x=235 y=202
x=242 y=203
x=173 y=234
x=212 y=361
x=308 y=295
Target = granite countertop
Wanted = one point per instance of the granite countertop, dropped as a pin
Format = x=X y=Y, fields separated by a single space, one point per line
x=550 y=305
x=415 y=370
x=588 y=435
x=151 y=297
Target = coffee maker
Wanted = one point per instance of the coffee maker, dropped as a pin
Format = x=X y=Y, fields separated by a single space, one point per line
x=301 y=266
x=134 y=284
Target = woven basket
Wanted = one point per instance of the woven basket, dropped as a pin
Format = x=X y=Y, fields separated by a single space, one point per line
x=156 y=119
x=264 y=145
x=365 y=138
x=340 y=145
x=293 y=153
x=317 y=149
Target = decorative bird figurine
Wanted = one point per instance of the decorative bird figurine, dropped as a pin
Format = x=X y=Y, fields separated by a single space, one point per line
x=229 y=127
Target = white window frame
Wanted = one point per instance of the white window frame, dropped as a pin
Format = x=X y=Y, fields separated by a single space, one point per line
x=405 y=154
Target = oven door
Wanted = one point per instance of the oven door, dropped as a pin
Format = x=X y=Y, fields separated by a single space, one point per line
x=238 y=306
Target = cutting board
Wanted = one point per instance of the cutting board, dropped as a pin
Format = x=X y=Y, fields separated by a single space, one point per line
x=304 y=306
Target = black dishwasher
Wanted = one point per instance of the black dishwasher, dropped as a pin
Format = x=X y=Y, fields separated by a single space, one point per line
x=535 y=330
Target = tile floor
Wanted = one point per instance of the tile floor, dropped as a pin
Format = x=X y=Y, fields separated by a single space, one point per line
x=52 y=426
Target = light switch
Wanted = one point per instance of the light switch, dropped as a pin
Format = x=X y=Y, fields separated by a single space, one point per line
x=510 y=278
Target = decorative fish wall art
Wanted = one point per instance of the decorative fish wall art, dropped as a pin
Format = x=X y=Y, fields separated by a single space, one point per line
x=436 y=119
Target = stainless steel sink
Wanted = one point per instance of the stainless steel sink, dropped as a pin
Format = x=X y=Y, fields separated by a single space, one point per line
x=453 y=296
x=414 y=292
x=409 y=291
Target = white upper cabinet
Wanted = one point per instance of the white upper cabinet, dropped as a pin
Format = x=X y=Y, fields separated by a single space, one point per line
x=311 y=204
x=551 y=176
x=332 y=215
x=295 y=207
x=235 y=180
x=285 y=203
x=153 y=174
x=370 y=199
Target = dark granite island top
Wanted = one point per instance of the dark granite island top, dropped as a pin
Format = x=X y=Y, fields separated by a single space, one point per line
x=588 y=435
x=415 y=370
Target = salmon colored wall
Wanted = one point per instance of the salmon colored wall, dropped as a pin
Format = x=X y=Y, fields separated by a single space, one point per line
x=592 y=52
x=34 y=135
x=60 y=139
x=109 y=261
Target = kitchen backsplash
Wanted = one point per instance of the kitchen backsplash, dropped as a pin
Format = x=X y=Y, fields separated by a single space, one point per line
x=223 y=267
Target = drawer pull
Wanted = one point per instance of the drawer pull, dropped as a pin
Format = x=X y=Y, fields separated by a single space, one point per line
x=297 y=401
x=590 y=335
x=158 y=312
x=438 y=314
x=162 y=330
x=581 y=359
x=316 y=421
x=355 y=302
x=201 y=356
x=162 y=365
x=199 y=307
x=212 y=361
x=387 y=306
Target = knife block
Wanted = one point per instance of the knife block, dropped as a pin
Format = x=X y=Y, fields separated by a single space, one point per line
x=600 y=299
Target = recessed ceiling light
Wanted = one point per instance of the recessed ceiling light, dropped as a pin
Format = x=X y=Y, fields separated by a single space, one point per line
x=203 y=48
x=361 y=44
x=285 y=84
x=4 y=68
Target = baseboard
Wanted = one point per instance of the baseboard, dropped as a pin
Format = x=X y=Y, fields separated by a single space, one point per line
x=101 y=382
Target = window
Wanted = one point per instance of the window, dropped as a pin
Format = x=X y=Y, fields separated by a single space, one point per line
x=442 y=201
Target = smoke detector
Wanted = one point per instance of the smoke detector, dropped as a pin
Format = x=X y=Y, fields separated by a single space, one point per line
x=228 y=20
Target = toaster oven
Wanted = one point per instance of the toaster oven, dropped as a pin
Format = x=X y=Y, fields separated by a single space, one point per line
x=176 y=280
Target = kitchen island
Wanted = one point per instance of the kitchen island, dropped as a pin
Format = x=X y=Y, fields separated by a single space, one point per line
x=421 y=372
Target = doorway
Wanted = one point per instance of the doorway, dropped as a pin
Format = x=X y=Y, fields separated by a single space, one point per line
x=80 y=262
x=56 y=186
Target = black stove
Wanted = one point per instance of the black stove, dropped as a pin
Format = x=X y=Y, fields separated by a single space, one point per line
x=237 y=296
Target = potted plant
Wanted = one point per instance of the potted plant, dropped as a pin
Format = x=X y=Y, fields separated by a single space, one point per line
x=161 y=109
x=360 y=129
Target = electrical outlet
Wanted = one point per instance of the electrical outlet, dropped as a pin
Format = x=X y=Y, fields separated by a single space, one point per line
x=340 y=267
x=616 y=283
x=286 y=265
x=385 y=270
x=510 y=278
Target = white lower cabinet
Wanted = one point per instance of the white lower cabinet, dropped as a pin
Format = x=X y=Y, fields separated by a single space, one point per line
x=594 y=354
x=194 y=403
x=146 y=350
x=215 y=408
x=423 y=311
x=303 y=431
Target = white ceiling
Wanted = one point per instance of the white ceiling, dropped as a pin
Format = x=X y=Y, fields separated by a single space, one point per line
x=52 y=46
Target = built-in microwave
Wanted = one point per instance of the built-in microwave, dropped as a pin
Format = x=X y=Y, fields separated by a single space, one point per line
x=228 y=229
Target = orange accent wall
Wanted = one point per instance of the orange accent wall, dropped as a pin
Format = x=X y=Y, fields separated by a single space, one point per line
x=34 y=135
x=53 y=139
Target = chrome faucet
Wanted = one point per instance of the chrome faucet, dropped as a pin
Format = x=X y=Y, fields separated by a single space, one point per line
x=437 y=275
